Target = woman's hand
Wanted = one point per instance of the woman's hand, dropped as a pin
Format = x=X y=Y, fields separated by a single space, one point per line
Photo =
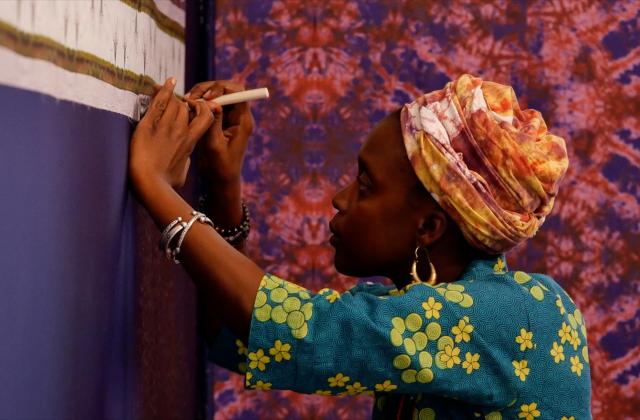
x=222 y=152
x=162 y=143
x=225 y=144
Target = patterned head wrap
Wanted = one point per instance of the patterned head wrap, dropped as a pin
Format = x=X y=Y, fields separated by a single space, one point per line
x=493 y=167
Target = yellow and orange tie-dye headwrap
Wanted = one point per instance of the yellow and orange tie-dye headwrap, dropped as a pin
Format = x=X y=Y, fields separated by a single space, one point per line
x=493 y=167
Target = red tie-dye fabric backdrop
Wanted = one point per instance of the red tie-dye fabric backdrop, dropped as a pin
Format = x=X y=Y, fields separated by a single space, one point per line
x=337 y=67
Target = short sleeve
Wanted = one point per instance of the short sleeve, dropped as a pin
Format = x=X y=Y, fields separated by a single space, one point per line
x=455 y=340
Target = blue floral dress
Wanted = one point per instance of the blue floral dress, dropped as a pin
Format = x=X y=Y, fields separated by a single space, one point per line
x=494 y=344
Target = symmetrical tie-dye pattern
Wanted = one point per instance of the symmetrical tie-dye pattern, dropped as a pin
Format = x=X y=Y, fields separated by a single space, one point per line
x=492 y=166
x=490 y=345
x=335 y=68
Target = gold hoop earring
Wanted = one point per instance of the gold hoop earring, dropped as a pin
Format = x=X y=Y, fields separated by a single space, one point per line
x=433 y=277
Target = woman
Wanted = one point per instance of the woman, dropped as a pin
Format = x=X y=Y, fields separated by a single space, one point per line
x=445 y=187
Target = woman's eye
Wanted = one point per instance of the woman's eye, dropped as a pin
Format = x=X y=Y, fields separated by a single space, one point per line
x=362 y=183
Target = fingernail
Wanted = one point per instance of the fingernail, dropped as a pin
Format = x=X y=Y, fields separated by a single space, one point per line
x=172 y=81
x=207 y=93
x=186 y=96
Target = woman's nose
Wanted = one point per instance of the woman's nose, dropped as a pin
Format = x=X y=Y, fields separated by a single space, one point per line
x=339 y=200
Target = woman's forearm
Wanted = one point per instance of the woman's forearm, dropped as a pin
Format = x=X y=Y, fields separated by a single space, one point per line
x=227 y=280
x=223 y=205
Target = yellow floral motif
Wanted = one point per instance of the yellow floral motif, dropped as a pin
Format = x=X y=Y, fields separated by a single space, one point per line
x=529 y=411
x=386 y=386
x=321 y=392
x=494 y=415
x=576 y=365
x=280 y=351
x=425 y=375
x=356 y=389
x=521 y=277
x=463 y=330
x=525 y=339
x=426 y=414
x=258 y=360
x=537 y=291
x=432 y=308
x=454 y=292
x=333 y=296
x=338 y=380
x=262 y=386
x=520 y=369
x=574 y=340
x=443 y=342
x=585 y=354
x=287 y=308
x=564 y=333
x=560 y=305
x=568 y=418
x=557 y=351
x=450 y=356
x=247 y=379
x=499 y=266
x=294 y=288
x=417 y=340
x=242 y=349
x=471 y=362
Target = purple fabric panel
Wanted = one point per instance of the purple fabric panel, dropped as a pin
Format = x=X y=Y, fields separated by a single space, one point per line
x=67 y=286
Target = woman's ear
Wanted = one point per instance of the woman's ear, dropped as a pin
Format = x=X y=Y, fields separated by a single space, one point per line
x=432 y=227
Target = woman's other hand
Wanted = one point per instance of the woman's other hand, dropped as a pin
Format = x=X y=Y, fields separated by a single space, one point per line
x=223 y=149
x=221 y=153
x=164 y=139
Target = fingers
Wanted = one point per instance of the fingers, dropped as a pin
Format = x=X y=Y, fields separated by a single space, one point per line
x=235 y=114
x=171 y=112
x=226 y=86
x=182 y=117
x=200 y=89
x=200 y=123
x=161 y=100
x=213 y=107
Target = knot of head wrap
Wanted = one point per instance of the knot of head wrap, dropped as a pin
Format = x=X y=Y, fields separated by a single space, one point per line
x=494 y=168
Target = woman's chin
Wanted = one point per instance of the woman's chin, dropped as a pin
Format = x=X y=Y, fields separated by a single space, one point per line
x=344 y=265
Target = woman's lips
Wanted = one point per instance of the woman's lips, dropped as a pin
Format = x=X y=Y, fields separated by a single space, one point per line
x=335 y=238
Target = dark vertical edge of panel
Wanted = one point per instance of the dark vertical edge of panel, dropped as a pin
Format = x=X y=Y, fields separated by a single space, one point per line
x=199 y=67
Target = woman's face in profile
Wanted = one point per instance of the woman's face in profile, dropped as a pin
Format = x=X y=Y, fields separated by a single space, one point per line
x=374 y=231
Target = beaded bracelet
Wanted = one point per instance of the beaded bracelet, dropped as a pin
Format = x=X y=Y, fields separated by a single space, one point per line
x=235 y=234
x=240 y=232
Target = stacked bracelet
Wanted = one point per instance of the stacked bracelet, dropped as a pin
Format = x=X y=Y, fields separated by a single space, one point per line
x=235 y=234
x=179 y=229
x=240 y=232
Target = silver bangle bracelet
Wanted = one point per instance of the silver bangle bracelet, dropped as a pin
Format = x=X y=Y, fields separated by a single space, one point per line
x=165 y=237
x=196 y=217
x=173 y=233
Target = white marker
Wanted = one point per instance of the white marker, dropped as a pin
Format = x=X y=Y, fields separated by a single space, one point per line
x=244 y=96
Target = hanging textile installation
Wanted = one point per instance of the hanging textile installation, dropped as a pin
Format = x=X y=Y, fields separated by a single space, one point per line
x=97 y=53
